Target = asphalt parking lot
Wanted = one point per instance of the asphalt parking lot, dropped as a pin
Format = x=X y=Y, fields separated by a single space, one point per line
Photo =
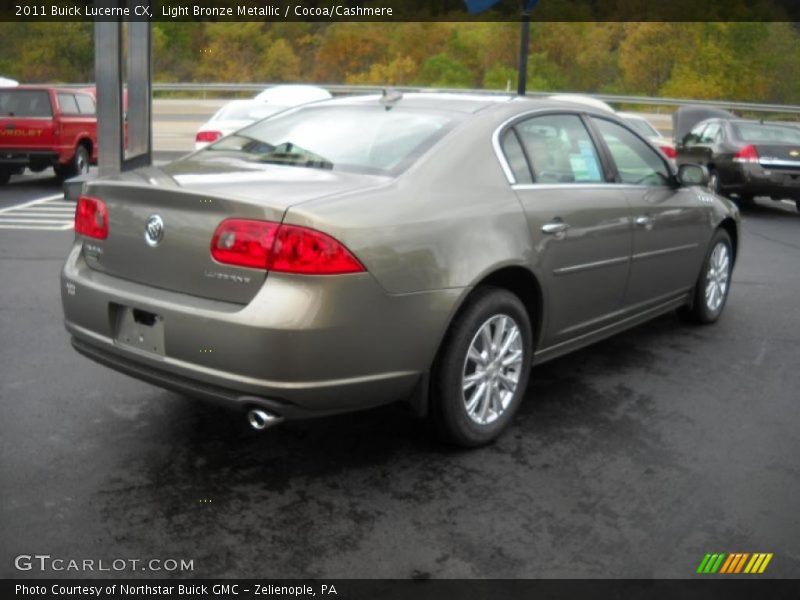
x=631 y=458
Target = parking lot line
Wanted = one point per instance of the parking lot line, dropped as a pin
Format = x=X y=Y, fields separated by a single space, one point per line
x=50 y=213
x=32 y=203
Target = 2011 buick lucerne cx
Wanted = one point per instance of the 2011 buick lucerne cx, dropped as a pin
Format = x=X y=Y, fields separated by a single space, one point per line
x=428 y=248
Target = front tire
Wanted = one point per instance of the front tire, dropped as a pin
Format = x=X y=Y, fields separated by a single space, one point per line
x=482 y=370
x=713 y=284
x=5 y=177
x=797 y=204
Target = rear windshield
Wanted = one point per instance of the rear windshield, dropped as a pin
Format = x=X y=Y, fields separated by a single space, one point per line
x=761 y=133
x=25 y=103
x=365 y=139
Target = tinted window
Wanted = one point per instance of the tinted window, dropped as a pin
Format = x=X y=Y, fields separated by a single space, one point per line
x=67 y=104
x=762 y=133
x=366 y=139
x=560 y=149
x=85 y=104
x=636 y=162
x=516 y=157
x=25 y=103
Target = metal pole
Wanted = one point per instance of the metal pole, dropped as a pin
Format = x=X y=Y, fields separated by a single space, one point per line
x=524 y=40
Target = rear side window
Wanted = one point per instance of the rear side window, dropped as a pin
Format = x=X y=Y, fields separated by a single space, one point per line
x=85 y=104
x=67 y=104
x=25 y=103
x=710 y=133
x=560 y=149
x=637 y=163
x=516 y=157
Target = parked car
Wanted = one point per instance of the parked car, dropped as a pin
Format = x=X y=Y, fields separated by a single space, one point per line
x=582 y=99
x=232 y=117
x=644 y=127
x=745 y=158
x=240 y=113
x=43 y=127
x=293 y=94
x=6 y=82
x=359 y=251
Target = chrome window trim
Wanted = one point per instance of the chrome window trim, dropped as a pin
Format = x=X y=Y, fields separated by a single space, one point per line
x=498 y=149
x=599 y=184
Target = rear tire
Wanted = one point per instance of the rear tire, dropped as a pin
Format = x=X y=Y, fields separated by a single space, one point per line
x=5 y=177
x=482 y=370
x=797 y=204
x=79 y=165
x=745 y=201
x=713 y=284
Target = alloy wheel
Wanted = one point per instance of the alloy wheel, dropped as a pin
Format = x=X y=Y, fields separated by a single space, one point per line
x=717 y=276
x=492 y=369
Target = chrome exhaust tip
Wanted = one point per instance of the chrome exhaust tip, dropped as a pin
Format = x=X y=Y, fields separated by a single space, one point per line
x=260 y=419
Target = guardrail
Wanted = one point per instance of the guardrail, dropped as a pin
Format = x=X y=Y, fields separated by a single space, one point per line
x=349 y=90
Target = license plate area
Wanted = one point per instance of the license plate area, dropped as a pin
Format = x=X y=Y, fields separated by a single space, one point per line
x=139 y=329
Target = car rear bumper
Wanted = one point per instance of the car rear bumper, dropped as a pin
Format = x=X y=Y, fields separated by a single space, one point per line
x=753 y=180
x=305 y=346
x=21 y=158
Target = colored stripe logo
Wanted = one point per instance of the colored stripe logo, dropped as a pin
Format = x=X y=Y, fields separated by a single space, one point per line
x=734 y=563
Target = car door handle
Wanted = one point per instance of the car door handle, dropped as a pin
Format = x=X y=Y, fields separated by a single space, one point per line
x=645 y=221
x=555 y=226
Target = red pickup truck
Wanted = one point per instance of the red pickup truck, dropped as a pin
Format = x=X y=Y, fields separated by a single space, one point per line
x=44 y=126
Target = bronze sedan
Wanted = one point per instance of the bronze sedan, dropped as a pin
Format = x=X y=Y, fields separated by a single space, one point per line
x=428 y=248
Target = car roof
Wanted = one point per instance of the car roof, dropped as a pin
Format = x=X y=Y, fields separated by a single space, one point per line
x=55 y=88
x=454 y=102
x=470 y=102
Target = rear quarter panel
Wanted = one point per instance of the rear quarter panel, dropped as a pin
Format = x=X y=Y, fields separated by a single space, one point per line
x=445 y=224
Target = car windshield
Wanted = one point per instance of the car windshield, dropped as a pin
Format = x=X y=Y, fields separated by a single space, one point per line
x=642 y=127
x=25 y=103
x=760 y=133
x=367 y=139
x=246 y=112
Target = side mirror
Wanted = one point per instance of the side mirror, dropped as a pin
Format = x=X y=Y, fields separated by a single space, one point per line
x=693 y=175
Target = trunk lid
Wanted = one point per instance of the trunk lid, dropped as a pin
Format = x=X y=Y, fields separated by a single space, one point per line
x=26 y=119
x=192 y=197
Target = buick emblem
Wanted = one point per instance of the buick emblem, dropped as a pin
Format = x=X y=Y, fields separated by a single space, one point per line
x=154 y=230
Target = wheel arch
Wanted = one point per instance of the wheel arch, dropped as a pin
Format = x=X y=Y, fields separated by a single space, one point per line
x=729 y=226
x=517 y=279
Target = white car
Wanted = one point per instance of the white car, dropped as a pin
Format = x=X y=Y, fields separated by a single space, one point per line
x=581 y=99
x=5 y=82
x=645 y=128
x=293 y=95
x=240 y=113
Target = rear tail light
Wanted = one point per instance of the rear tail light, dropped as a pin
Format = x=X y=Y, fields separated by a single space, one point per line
x=284 y=248
x=669 y=151
x=748 y=154
x=207 y=136
x=91 y=218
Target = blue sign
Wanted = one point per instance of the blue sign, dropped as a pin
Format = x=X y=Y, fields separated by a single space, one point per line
x=478 y=6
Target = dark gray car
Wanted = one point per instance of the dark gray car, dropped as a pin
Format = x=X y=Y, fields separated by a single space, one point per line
x=427 y=248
